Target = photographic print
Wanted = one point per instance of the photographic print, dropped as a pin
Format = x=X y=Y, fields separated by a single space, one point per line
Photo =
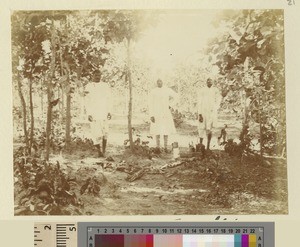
x=149 y=112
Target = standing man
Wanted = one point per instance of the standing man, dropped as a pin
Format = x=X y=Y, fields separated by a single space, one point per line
x=98 y=111
x=208 y=104
x=162 y=122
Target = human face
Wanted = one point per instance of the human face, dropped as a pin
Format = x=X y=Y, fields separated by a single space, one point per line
x=159 y=83
x=257 y=75
x=209 y=83
x=97 y=77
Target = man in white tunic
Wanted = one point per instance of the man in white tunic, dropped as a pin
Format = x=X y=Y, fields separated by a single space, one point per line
x=208 y=105
x=99 y=111
x=162 y=122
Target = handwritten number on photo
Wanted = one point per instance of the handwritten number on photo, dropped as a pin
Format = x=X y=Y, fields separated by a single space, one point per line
x=291 y=2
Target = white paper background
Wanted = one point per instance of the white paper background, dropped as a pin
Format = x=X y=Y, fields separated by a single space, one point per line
x=18 y=231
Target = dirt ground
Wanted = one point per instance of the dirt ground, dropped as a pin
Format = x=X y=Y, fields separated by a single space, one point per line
x=192 y=185
x=209 y=186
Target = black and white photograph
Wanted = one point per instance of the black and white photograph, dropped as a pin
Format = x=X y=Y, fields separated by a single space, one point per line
x=149 y=112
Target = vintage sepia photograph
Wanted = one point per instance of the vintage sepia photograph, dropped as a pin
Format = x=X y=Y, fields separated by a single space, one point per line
x=149 y=112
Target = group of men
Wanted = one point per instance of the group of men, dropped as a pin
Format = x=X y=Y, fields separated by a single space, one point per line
x=161 y=121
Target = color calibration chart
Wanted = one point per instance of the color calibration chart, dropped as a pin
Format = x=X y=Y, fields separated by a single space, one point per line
x=156 y=234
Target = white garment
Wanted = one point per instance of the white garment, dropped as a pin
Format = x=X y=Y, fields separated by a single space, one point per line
x=98 y=100
x=98 y=105
x=99 y=130
x=208 y=105
x=159 y=103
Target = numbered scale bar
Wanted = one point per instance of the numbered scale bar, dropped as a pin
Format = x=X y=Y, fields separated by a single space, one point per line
x=55 y=235
x=168 y=236
x=178 y=234
x=159 y=234
x=174 y=230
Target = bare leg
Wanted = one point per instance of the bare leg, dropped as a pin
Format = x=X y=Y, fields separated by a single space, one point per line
x=166 y=142
x=158 y=141
x=100 y=154
x=201 y=140
x=209 y=135
x=104 y=143
x=224 y=136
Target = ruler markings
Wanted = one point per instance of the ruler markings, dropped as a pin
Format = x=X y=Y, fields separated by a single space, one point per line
x=196 y=227
x=64 y=235
x=52 y=234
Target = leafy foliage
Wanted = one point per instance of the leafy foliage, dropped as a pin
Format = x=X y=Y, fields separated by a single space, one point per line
x=45 y=187
x=178 y=117
x=91 y=186
x=141 y=146
x=250 y=58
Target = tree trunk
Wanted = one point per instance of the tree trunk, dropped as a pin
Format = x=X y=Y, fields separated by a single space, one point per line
x=130 y=96
x=49 y=121
x=68 y=118
x=49 y=93
x=68 y=106
x=23 y=103
x=260 y=128
x=62 y=104
x=31 y=117
x=42 y=102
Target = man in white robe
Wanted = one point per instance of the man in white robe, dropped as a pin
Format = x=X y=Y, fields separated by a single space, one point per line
x=162 y=122
x=208 y=105
x=98 y=109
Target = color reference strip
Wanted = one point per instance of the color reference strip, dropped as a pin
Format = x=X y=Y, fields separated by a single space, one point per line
x=149 y=240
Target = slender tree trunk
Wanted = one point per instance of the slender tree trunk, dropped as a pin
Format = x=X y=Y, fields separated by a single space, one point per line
x=31 y=116
x=62 y=104
x=59 y=97
x=49 y=93
x=59 y=90
x=260 y=128
x=23 y=103
x=68 y=118
x=130 y=96
x=42 y=103
x=49 y=121
x=68 y=108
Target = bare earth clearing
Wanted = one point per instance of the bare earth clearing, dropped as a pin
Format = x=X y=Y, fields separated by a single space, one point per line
x=214 y=184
